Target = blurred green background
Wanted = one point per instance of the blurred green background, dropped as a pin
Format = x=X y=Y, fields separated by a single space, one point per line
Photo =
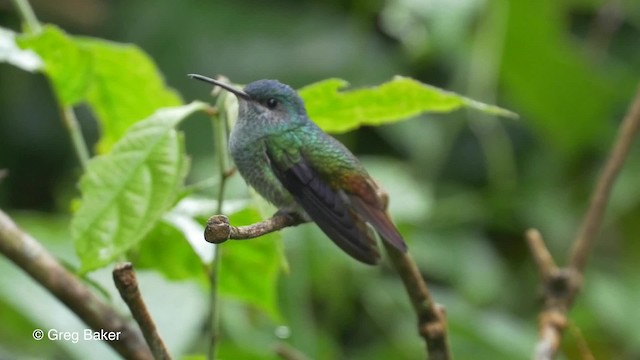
x=463 y=186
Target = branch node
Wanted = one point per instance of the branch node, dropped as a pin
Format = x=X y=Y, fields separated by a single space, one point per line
x=562 y=285
x=218 y=229
x=544 y=261
x=554 y=318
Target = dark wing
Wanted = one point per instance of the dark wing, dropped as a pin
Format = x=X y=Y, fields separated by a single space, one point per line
x=327 y=208
x=372 y=213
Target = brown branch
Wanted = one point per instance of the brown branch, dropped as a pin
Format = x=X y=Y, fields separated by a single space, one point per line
x=591 y=222
x=125 y=279
x=561 y=286
x=432 y=318
x=432 y=324
x=33 y=258
x=581 y=342
x=546 y=266
x=432 y=321
x=219 y=230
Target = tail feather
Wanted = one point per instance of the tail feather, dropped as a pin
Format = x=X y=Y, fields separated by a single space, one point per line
x=380 y=221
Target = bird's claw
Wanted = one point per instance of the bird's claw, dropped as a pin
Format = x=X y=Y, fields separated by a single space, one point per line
x=218 y=229
x=292 y=216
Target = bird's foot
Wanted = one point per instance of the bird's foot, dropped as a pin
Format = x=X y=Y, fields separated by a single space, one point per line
x=293 y=216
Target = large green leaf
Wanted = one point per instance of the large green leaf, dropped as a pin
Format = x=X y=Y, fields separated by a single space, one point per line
x=66 y=64
x=125 y=87
x=119 y=81
x=125 y=192
x=399 y=99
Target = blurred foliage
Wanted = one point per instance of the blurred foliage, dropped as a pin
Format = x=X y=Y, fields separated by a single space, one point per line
x=463 y=186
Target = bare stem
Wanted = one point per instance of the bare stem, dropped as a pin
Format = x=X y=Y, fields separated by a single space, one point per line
x=544 y=261
x=432 y=321
x=79 y=145
x=591 y=221
x=32 y=26
x=221 y=133
x=219 y=230
x=33 y=258
x=125 y=279
x=562 y=285
x=30 y=22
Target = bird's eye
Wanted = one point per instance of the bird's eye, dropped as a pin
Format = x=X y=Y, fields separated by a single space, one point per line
x=272 y=103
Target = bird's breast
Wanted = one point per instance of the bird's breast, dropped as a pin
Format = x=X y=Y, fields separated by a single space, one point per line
x=254 y=167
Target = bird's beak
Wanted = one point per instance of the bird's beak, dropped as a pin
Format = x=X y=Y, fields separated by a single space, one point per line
x=239 y=93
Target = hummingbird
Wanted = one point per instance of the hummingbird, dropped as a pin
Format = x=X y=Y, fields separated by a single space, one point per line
x=305 y=172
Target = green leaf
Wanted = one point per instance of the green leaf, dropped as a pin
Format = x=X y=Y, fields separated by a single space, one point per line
x=125 y=192
x=125 y=87
x=119 y=81
x=67 y=65
x=399 y=99
x=249 y=269
x=12 y=54
x=166 y=249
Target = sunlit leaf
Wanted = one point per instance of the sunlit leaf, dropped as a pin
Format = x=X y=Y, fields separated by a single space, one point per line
x=125 y=87
x=399 y=99
x=67 y=64
x=119 y=81
x=166 y=249
x=125 y=192
x=12 y=54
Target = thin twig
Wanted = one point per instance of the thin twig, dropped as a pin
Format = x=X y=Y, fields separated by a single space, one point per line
x=75 y=132
x=33 y=258
x=432 y=321
x=431 y=317
x=28 y=16
x=562 y=285
x=581 y=342
x=125 y=279
x=219 y=230
x=32 y=26
x=219 y=115
x=591 y=222
x=544 y=261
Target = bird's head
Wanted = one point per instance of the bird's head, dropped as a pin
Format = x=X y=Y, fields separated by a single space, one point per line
x=268 y=100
